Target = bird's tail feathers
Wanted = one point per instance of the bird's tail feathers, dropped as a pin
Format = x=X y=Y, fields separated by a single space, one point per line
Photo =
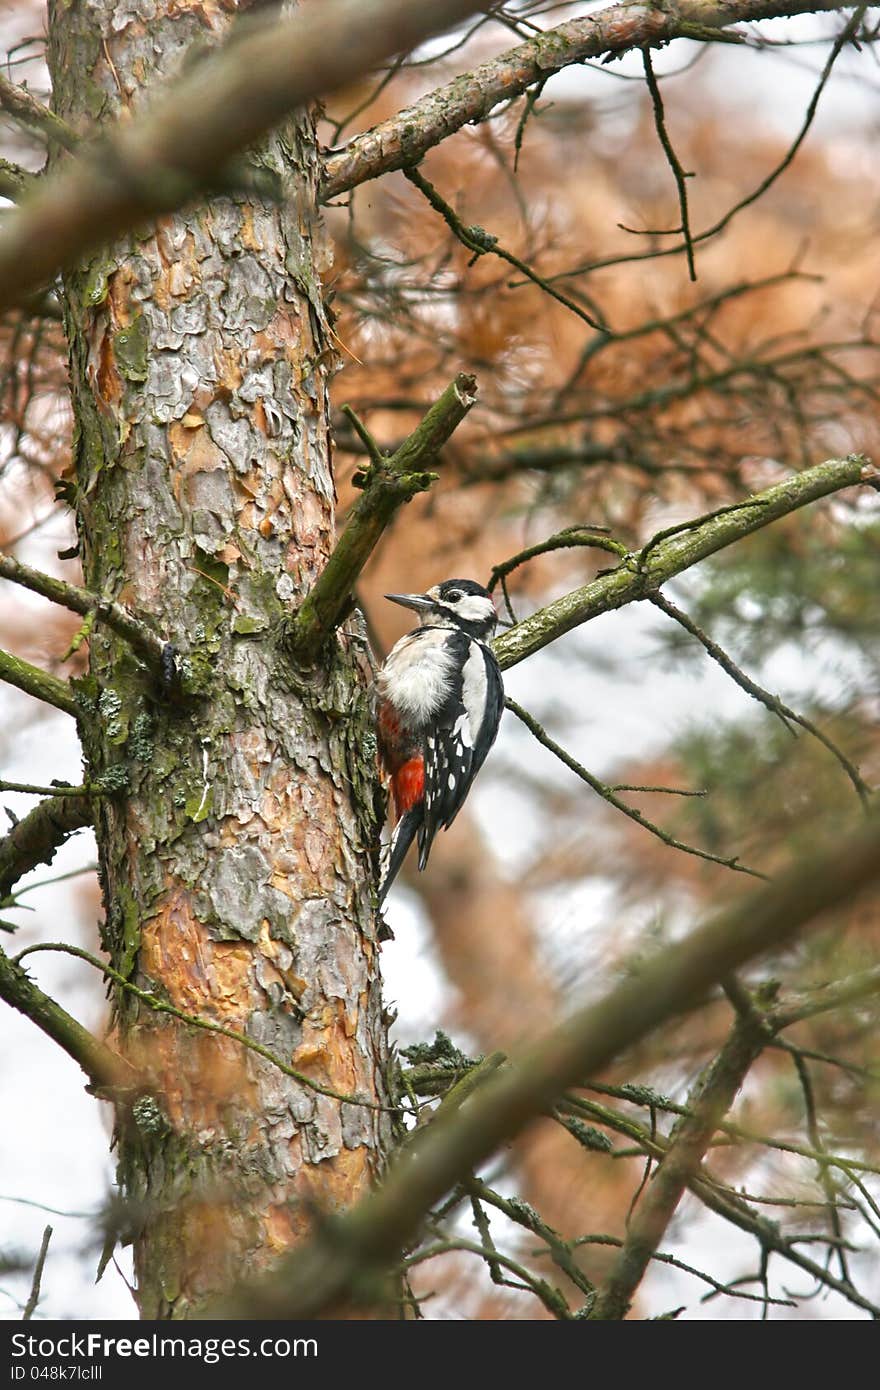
x=402 y=838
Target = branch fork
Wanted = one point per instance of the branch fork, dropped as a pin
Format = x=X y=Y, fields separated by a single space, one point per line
x=387 y=483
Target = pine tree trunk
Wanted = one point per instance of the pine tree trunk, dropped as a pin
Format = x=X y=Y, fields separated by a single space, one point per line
x=236 y=868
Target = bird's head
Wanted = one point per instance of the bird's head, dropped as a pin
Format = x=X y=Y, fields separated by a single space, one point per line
x=460 y=603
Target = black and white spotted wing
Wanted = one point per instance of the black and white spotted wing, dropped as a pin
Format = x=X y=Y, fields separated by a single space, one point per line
x=461 y=734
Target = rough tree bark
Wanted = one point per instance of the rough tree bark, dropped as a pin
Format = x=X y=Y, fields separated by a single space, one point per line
x=236 y=867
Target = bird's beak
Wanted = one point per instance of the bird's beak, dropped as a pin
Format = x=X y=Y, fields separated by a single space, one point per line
x=420 y=603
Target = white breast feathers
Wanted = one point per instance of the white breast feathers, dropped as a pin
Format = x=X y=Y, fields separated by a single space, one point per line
x=418 y=675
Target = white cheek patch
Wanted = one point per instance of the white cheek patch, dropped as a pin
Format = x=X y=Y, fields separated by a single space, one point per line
x=475 y=609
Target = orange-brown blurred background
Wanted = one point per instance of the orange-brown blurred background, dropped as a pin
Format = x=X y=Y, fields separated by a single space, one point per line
x=699 y=392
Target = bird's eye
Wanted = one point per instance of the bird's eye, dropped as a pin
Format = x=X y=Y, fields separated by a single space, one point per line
x=454 y=596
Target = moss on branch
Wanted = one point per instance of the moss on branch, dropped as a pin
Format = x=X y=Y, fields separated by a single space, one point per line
x=106 y=1070
x=641 y=573
x=387 y=485
x=36 y=837
x=40 y=684
x=18 y=103
x=14 y=181
x=149 y=646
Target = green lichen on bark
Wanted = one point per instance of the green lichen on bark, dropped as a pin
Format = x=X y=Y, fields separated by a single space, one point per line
x=130 y=347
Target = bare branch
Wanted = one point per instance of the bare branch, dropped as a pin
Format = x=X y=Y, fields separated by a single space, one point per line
x=106 y=1070
x=671 y=552
x=405 y=137
x=482 y=243
x=608 y=794
x=711 y=1098
x=572 y=537
x=157 y=161
x=34 y=1297
x=17 y=102
x=850 y=990
x=678 y=172
x=730 y=1205
x=148 y=645
x=829 y=1183
x=56 y=789
x=662 y=1258
x=36 y=837
x=771 y=1239
x=764 y=697
x=844 y=37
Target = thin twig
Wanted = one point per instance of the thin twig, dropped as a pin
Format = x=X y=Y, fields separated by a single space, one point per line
x=607 y=794
x=829 y=1186
x=160 y=1006
x=34 y=1297
x=678 y=172
x=521 y=1214
x=47 y=882
x=767 y=182
x=43 y=1206
x=571 y=537
x=363 y=434
x=711 y=1097
x=770 y=702
x=481 y=243
x=660 y=1257
x=726 y=1203
x=675 y=550
x=668 y=791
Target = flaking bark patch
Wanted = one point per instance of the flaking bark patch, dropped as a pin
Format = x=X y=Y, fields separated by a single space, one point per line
x=237 y=874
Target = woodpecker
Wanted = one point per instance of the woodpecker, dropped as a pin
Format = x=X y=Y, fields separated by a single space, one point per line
x=439 y=699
